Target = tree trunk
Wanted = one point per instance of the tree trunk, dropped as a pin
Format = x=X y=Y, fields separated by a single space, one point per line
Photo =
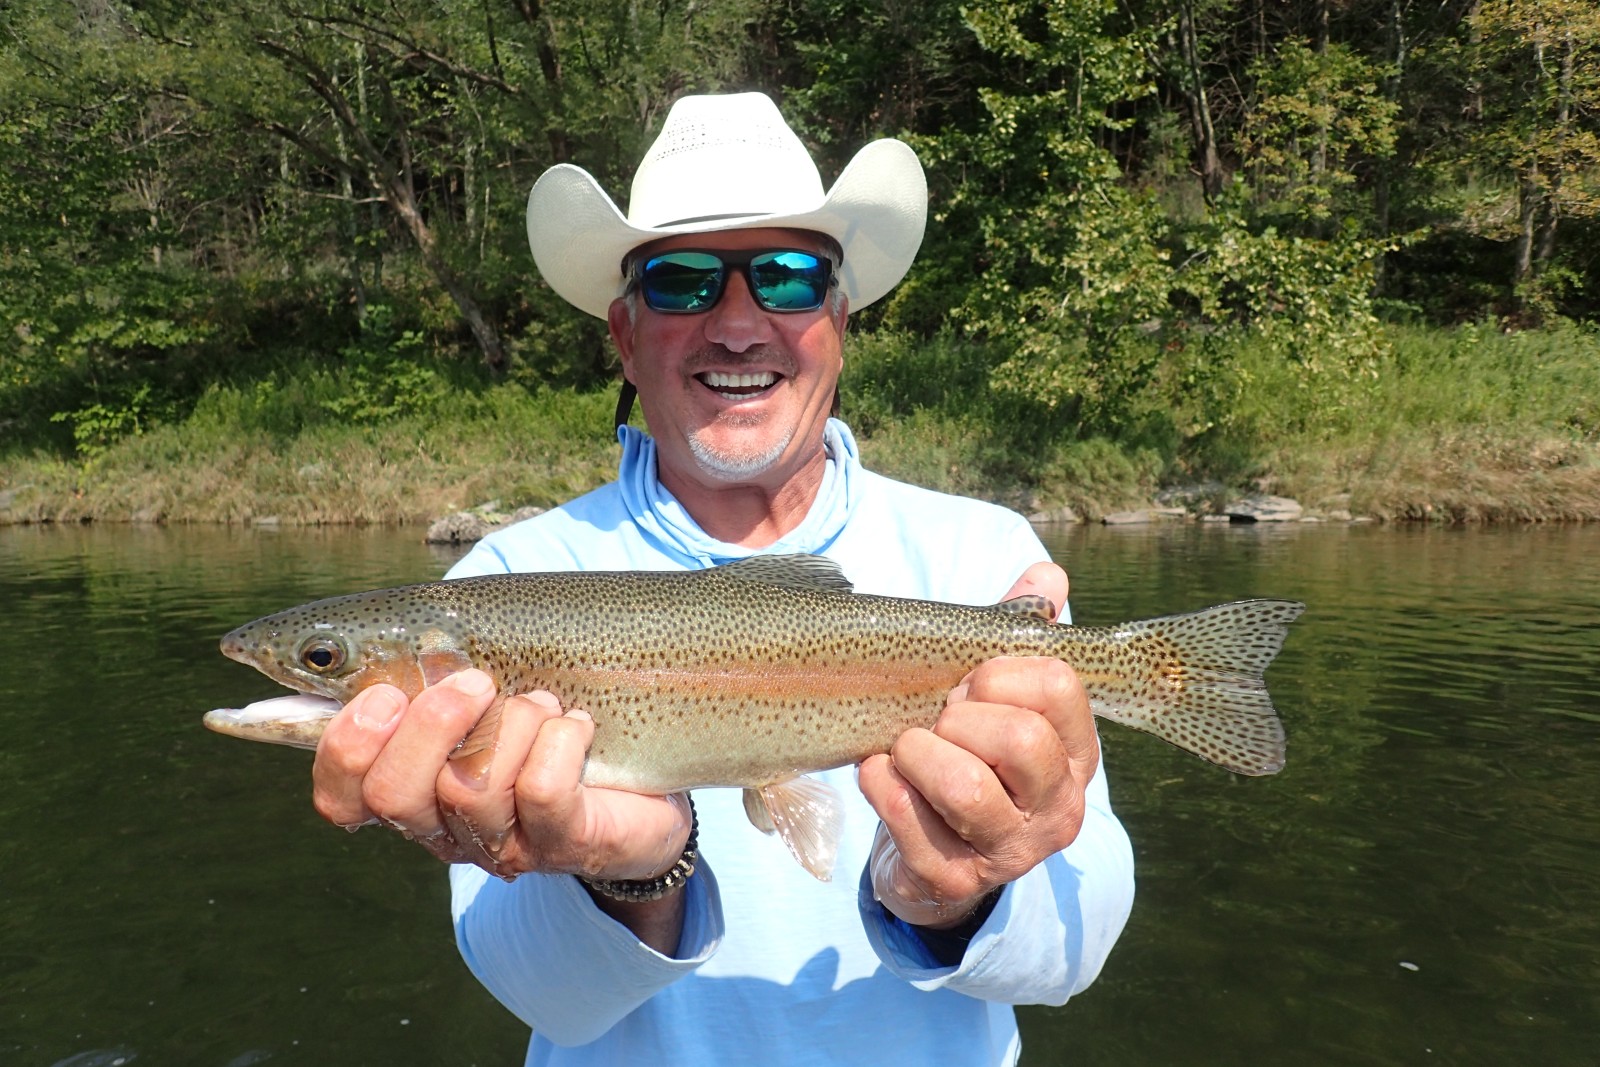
x=1319 y=158
x=1205 y=133
x=1529 y=199
x=401 y=194
x=1552 y=215
x=1382 y=186
x=1474 y=107
x=533 y=13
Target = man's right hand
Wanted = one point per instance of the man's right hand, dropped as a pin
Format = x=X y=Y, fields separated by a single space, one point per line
x=386 y=760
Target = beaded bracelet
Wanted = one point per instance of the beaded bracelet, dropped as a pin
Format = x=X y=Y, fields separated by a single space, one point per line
x=639 y=891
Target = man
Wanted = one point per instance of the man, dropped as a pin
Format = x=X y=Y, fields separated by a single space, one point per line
x=997 y=874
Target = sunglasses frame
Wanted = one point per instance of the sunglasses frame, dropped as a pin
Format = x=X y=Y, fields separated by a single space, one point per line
x=744 y=262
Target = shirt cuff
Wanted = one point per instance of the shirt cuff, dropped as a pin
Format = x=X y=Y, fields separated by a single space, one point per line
x=903 y=950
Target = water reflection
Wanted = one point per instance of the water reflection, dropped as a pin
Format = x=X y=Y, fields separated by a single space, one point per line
x=1436 y=810
x=1419 y=884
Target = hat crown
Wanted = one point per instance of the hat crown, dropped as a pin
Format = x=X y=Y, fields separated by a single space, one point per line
x=729 y=163
x=723 y=157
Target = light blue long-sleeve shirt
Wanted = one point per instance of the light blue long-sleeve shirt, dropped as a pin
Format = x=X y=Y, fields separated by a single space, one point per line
x=775 y=967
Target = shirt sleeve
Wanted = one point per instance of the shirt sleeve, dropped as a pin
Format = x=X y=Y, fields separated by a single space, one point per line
x=1049 y=934
x=559 y=963
x=482 y=559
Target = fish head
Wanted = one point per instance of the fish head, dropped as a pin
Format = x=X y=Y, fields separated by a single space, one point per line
x=340 y=646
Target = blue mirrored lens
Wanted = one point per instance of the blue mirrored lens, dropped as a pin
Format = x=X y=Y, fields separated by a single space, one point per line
x=789 y=281
x=682 y=281
x=690 y=281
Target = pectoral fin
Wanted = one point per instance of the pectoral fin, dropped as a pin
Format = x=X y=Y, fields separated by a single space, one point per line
x=475 y=753
x=806 y=814
x=439 y=659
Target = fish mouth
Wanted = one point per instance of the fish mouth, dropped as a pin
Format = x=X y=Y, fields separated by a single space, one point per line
x=243 y=646
x=296 y=720
x=739 y=385
x=235 y=647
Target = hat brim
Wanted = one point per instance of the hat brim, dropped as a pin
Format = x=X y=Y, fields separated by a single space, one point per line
x=876 y=211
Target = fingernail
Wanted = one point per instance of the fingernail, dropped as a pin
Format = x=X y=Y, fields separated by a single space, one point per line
x=539 y=700
x=472 y=683
x=473 y=771
x=378 y=711
x=579 y=713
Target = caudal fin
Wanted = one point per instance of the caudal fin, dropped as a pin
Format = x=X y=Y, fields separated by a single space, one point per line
x=1208 y=696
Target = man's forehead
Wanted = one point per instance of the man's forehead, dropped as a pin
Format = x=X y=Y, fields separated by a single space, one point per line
x=738 y=240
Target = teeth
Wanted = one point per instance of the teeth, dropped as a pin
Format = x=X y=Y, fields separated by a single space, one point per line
x=719 y=380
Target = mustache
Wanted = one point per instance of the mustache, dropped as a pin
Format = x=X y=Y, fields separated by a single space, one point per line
x=717 y=357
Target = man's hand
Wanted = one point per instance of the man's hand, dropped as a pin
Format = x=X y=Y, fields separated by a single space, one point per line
x=383 y=759
x=995 y=788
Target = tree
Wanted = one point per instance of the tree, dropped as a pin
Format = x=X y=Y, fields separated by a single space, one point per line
x=1539 y=64
x=442 y=113
x=98 y=177
x=1318 y=116
x=1039 y=245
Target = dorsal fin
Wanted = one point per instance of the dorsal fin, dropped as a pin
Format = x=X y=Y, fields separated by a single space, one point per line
x=1032 y=604
x=795 y=571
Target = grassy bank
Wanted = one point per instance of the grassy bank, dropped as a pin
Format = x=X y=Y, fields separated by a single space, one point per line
x=1462 y=425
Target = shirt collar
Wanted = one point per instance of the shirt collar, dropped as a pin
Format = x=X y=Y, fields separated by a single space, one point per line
x=665 y=521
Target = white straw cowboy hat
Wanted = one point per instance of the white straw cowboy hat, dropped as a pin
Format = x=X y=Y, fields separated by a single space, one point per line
x=729 y=163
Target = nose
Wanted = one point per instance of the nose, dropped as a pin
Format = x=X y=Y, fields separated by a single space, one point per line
x=737 y=322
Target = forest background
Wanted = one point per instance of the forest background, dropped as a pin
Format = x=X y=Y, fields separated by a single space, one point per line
x=266 y=261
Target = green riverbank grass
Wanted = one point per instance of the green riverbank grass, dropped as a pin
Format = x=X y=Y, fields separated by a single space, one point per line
x=1467 y=425
x=227 y=463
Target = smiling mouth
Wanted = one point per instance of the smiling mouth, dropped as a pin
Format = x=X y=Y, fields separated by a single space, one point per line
x=737 y=386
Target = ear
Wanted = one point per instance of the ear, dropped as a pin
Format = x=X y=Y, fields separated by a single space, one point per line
x=621 y=326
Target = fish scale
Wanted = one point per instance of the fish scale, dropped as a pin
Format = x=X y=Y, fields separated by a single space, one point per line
x=758 y=672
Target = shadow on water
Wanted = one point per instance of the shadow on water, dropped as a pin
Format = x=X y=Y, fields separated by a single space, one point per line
x=1421 y=884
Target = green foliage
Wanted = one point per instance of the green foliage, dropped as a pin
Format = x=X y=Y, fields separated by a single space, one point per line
x=97 y=427
x=926 y=414
x=1310 y=299
x=1069 y=259
x=385 y=373
x=1470 y=423
x=1317 y=116
x=296 y=220
x=1536 y=67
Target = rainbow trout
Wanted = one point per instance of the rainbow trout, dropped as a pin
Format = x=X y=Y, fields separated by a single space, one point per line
x=754 y=673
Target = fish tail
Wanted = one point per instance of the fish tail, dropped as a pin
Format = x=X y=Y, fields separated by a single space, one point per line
x=1203 y=690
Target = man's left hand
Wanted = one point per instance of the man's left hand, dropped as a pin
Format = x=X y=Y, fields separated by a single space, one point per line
x=995 y=788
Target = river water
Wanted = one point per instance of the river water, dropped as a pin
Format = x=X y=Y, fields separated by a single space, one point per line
x=1420 y=885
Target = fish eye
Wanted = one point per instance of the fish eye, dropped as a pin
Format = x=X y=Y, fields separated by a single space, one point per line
x=322 y=655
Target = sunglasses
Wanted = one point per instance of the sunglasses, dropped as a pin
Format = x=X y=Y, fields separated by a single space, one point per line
x=690 y=281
